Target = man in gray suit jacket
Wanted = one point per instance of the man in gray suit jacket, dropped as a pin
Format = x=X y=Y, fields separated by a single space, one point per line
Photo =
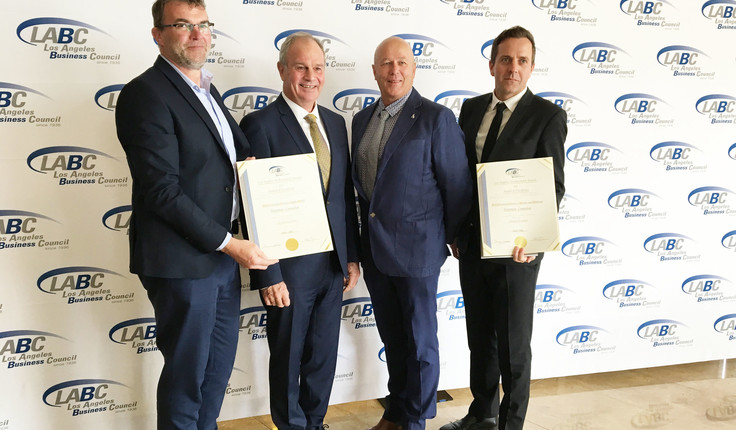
x=511 y=123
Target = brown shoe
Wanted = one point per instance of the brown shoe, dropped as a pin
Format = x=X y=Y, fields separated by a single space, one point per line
x=385 y=424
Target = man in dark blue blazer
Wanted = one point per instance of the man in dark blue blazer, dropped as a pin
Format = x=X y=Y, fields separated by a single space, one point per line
x=303 y=295
x=413 y=184
x=499 y=292
x=181 y=146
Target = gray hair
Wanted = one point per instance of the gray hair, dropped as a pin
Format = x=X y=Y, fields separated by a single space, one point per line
x=157 y=10
x=290 y=40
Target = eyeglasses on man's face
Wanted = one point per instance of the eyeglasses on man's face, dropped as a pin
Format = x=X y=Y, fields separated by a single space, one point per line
x=204 y=27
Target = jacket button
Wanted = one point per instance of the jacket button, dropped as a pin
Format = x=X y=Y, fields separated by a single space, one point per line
x=228 y=189
x=328 y=202
x=373 y=215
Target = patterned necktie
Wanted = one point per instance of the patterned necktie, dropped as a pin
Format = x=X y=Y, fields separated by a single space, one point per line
x=372 y=153
x=320 y=149
x=493 y=132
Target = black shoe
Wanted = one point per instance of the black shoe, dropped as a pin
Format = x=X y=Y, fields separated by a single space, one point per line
x=471 y=423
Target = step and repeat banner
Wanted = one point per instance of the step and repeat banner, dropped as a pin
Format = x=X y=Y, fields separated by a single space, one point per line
x=646 y=273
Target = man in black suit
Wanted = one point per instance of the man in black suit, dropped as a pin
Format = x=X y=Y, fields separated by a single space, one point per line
x=303 y=295
x=508 y=124
x=181 y=146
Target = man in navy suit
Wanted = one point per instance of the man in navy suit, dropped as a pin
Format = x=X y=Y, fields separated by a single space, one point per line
x=499 y=292
x=303 y=295
x=181 y=146
x=413 y=184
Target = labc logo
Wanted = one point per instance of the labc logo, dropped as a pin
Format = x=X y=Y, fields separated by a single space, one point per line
x=73 y=394
x=354 y=100
x=358 y=312
x=596 y=52
x=555 y=4
x=24 y=341
x=584 y=245
x=712 y=200
x=726 y=325
x=15 y=96
x=625 y=288
x=732 y=151
x=20 y=222
x=107 y=97
x=629 y=198
x=590 y=151
x=719 y=108
x=662 y=332
x=665 y=242
x=243 y=100
x=671 y=151
x=253 y=322
x=59 y=31
x=58 y=159
x=139 y=329
x=421 y=46
x=729 y=240
x=118 y=218
x=714 y=9
x=74 y=278
x=579 y=334
x=637 y=103
x=642 y=7
x=140 y=333
x=699 y=284
x=679 y=55
x=454 y=99
x=563 y=100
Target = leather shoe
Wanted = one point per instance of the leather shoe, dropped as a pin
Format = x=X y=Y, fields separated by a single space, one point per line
x=469 y=422
x=385 y=424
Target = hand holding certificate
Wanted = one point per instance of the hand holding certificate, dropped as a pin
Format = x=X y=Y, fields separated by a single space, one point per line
x=284 y=206
x=518 y=207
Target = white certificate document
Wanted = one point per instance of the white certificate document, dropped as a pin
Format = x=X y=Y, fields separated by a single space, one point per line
x=518 y=207
x=284 y=206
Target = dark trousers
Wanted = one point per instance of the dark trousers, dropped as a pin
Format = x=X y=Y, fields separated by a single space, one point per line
x=197 y=322
x=499 y=311
x=406 y=317
x=303 y=340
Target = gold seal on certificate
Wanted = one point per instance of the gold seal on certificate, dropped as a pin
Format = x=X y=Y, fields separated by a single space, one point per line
x=518 y=207
x=284 y=206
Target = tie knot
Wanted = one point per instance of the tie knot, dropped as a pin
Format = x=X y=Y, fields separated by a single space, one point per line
x=500 y=107
x=383 y=115
x=311 y=119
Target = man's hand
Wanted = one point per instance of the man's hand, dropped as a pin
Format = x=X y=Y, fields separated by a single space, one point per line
x=353 y=275
x=247 y=254
x=518 y=255
x=276 y=295
x=455 y=251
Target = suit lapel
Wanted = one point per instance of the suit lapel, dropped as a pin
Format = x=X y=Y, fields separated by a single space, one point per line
x=474 y=121
x=186 y=92
x=292 y=126
x=407 y=117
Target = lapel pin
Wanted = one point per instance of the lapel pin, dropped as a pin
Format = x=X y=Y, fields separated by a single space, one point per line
x=412 y=116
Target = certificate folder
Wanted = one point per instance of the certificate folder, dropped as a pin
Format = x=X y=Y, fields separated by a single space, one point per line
x=518 y=207
x=284 y=205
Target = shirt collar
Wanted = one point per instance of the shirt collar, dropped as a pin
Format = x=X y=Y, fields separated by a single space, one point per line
x=395 y=107
x=511 y=102
x=300 y=112
x=205 y=80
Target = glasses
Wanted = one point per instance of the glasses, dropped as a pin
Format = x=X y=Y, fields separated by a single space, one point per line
x=204 y=27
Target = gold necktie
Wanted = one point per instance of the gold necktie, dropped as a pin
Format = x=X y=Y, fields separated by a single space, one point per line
x=320 y=149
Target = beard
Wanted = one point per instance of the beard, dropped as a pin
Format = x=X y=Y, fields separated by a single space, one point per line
x=190 y=60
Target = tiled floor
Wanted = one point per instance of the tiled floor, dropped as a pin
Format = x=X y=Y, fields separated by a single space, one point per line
x=685 y=397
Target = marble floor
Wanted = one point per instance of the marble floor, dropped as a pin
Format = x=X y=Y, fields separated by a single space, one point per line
x=684 y=397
